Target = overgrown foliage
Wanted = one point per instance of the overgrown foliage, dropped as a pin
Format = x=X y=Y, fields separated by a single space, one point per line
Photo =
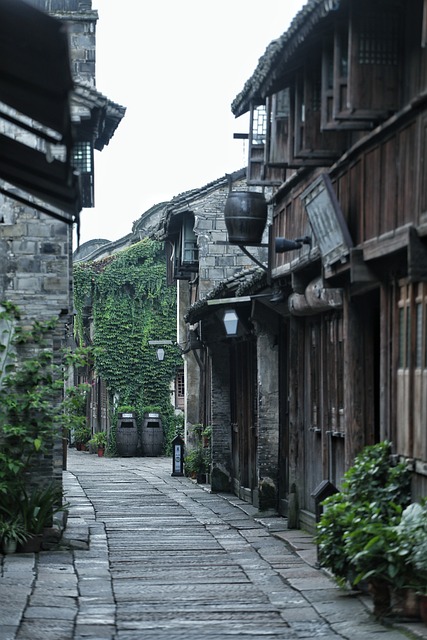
x=33 y=414
x=130 y=305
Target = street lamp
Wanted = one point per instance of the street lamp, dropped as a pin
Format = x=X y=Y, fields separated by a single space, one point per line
x=160 y=353
x=231 y=321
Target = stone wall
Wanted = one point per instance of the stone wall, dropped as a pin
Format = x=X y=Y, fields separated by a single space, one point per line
x=36 y=249
x=221 y=476
x=266 y=327
x=218 y=261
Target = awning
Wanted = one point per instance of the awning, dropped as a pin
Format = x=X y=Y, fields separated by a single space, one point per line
x=35 y=87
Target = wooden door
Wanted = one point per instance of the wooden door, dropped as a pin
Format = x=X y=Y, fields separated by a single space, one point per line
x=283 y=479
x=324 y=430
x=244 y=418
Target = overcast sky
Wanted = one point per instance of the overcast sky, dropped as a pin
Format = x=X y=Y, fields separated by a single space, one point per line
x=176 y=65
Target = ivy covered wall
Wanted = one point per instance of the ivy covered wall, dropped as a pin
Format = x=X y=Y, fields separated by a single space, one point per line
x=130 y=303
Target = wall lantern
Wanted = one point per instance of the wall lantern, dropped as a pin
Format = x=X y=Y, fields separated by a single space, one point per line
x=231 y=321
x=160 y=353
x=282 y=245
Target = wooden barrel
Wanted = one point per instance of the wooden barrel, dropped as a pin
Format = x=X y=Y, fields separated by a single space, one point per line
x=245 y=217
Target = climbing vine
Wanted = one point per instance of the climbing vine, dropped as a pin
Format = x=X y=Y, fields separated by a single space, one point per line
x=131 y=305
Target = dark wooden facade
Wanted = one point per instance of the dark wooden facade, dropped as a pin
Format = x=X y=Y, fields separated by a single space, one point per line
x=343 y=95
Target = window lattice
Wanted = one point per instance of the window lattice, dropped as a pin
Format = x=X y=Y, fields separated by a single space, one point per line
x=180 y=388
x=379 y=43
x=259 y=125
x=82 y=157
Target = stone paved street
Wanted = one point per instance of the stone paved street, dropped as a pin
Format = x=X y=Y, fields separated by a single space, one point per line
x=156 y=557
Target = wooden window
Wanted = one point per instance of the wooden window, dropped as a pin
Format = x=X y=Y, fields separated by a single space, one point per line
x=279 y=128
x=341 y=65
x=188 y=242
x=378 y=39
x=259 y=125
x=335 y=78
x=326 y=375
x=299 y=114
x=182 y=253
x=311 y=145
x=83 y=163
x=328 y=84
x=179 y=390
x=260 y=171
x=360 y=67
x=411 y=428
x=185 y=249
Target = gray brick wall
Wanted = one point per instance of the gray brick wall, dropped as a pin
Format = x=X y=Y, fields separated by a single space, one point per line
x=35 y=249
x=221 y=419
x=218 y=261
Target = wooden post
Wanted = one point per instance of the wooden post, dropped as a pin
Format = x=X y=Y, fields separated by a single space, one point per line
x=354 y=369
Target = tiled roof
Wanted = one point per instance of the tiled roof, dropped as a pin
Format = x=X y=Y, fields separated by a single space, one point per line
x=279 y=52
x=238 y=285
x=85 y=101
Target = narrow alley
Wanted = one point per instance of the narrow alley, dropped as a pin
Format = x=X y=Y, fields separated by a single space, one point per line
x=156 y=556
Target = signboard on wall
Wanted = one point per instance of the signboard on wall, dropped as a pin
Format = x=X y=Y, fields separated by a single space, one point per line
x=327 y=221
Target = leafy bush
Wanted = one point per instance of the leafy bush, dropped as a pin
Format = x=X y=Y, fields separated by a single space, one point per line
x=356 y=534
x=33 y=414
x=412 y=543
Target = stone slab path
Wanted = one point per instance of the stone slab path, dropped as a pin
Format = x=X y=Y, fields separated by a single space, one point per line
x=155 y=557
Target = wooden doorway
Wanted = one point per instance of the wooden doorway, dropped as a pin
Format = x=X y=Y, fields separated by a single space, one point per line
x=244 y=418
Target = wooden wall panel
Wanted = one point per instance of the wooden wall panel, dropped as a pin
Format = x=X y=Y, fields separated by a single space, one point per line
x=423 y=166
x=420 y=414
x=388 y=217
x=353 y=215
x=371 y=193
x=403 y=413
x=408 y=159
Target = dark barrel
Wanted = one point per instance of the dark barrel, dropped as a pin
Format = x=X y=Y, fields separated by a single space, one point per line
x=245 y=217
x=126 y=435
x=152 y=435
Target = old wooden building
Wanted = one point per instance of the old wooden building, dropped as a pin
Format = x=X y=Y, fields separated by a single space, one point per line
x=331 y=353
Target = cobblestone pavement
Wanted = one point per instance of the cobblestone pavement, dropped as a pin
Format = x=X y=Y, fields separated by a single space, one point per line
x=148 y=556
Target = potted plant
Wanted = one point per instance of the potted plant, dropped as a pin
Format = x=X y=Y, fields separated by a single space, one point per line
x=12 y=533
x=82 y=436
x=99 y=440
x=356 y=534
x=372 y=546
x=36 y=508
x=126 y=411
x=196 y=463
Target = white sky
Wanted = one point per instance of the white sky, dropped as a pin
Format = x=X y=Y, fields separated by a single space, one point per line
x=177 y=66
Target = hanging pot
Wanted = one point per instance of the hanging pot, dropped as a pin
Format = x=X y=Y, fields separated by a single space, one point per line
x=245 y=217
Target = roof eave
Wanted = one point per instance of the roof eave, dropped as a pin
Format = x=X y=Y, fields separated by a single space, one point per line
x=278 y=54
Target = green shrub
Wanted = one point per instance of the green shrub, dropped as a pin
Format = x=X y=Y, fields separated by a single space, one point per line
x=356 y=534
